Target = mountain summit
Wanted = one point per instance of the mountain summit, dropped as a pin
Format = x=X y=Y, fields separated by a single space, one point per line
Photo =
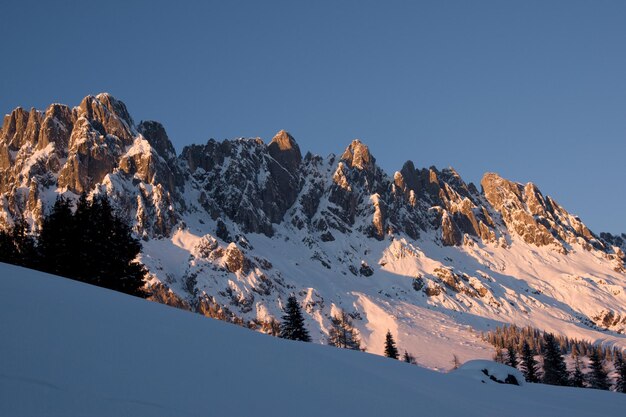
x=232 y=228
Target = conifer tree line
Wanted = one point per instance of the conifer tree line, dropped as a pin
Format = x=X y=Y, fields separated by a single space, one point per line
x=522 y=345
x=92 y=244
x=512 y=335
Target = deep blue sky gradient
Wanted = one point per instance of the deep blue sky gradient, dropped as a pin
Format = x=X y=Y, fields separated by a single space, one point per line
x=533 y=90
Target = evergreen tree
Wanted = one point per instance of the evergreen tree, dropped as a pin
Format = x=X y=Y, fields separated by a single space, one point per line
x=57 y=241
x=391 y=351
x=23 y=243
x=8 y=251
x=92 y=245
x=292 y=326
x=342 y=333
x=408 y=358
x=118 y=271
x=106 y=249
x=578 y=377
x=620 y=368
x=554 y=369
x=85 y=244
x=511 y=357
x=598 y=377
x=528 y=363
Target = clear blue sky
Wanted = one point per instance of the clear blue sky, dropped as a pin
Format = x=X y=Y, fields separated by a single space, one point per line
x=533 y=90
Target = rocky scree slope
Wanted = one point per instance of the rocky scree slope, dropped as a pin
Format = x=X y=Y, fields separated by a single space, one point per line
x=231 y=228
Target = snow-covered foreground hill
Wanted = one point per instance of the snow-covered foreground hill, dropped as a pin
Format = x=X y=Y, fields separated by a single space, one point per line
x=69 y=349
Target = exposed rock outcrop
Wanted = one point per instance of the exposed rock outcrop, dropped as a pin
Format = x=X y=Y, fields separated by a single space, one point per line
x=92 y=147
x=96 y=147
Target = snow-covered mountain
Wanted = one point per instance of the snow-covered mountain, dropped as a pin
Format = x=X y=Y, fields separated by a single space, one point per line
x=102 y=353
x=231 y=228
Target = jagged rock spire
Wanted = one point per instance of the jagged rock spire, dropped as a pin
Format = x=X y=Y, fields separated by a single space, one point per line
x=284 y=149
x=357 y=155
x=155 y=134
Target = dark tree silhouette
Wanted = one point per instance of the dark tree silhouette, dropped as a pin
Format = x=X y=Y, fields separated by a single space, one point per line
x=554 y=369
x=598 y=377
x=108 y=234
x=58 y=241
x=17 y=246
x=529 y=363
x=93 y=245
x=391 y=351
x=511 y=358
x=292 y=326
x=578 y=377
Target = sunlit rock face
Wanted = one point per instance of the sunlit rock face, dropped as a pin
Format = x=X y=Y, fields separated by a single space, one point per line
x=96 y=147
x=231 y=228
x=537 y=219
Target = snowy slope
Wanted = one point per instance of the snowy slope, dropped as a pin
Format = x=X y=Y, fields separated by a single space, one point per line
x=523 y=284
x=69 y=349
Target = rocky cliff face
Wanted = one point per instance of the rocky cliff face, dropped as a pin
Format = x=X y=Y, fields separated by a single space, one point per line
x=96 y=147
x=233 y=211
x=537 y=219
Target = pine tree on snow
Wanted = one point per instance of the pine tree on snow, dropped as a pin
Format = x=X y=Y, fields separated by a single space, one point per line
x=292 y=326
x=578 y=377
x=112 y=236
x=93 y=245
x=598 y=377
x=529 y=364
x=554 y=369
x=57 y=241
x=391 y=351
x=511 y=357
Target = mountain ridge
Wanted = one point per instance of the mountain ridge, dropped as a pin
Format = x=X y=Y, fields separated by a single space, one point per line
x=221 y=204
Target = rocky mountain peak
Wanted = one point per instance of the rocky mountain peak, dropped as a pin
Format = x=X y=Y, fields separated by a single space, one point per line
x=14 y=128
x=357 y=155
x=155 y=134
x=107 y=116
x=499 y=191
x=284 y=149
x=116 y=106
